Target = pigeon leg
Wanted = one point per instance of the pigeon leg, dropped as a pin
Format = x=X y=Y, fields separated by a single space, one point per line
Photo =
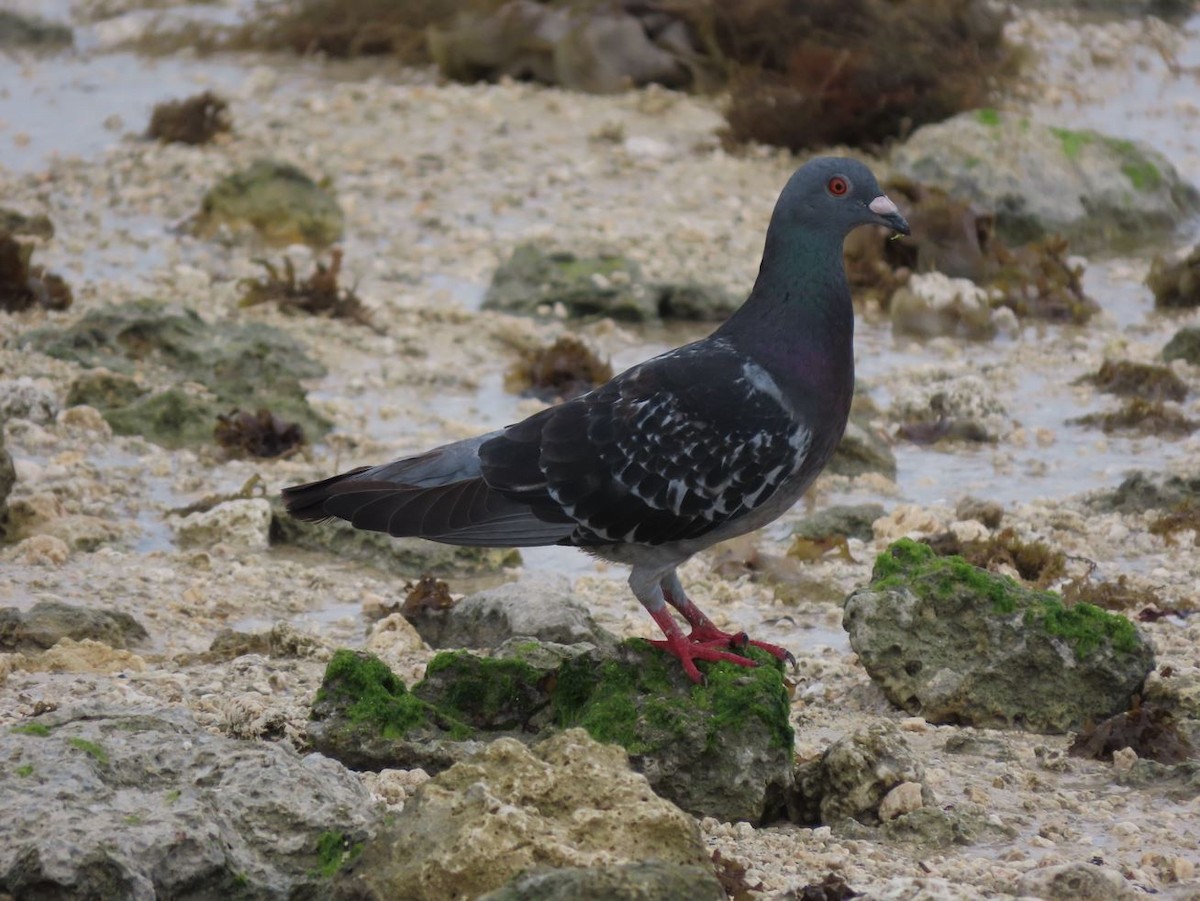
x=678 y=645
x=703 y=630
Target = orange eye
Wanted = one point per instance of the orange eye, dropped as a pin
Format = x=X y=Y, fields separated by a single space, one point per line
x=838 y=186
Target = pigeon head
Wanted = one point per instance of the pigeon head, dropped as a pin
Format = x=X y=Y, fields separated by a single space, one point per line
x=834 y=195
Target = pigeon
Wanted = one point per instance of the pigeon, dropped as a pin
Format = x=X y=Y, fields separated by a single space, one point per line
x=697 y=445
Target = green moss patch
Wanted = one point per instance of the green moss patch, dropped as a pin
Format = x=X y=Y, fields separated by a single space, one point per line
x=334 y=851
x=484 y=692
x=372 y=695
x=39 y=729
x=915 y=566
x=89 y=747
x=643 y=702
x=988 y=117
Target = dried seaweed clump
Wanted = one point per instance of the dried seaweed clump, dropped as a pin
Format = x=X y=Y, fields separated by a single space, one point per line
x=1143 y=417
x=24 y=285
x=566 y=368
x=832 y=888
x=1036 y=281
x=1034 y=561
x=1183 y=516
x=1113 y=595
x=319 y=294
x=1148 y=729
x=194 y=120
x=261 y=434
x=427 y=593
x=1145 y=380
x=821 y=72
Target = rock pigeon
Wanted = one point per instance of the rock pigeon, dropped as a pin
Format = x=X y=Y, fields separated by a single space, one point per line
x=708 y=441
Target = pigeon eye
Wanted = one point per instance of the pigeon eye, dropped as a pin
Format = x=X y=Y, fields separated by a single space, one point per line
x=838 y=186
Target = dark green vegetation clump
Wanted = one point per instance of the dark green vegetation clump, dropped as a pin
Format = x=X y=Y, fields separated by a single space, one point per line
x=1176 y=282
x=193 y=120
x=485 y=693
x=334 y=851
x=24 y=285
x=1143 y=380
x=93 y=750
x=635 y=701
x=1083 y=626
x=1182 y=516
x=243 y=365
x=559 y=371
x=318 y=295
x=815 y=73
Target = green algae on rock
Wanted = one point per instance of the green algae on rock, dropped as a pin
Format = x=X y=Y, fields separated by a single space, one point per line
x=1184 y=345
x=1128 y=378
x=957 y=644
x=244 y=365
x=722 y=749
x=279 y=202
x=1175 y=282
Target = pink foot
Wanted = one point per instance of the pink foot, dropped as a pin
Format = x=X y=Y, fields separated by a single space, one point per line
x=708 y=634
x=688 y=651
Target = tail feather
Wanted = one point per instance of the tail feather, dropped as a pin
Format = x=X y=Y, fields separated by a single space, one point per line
x=307 y=502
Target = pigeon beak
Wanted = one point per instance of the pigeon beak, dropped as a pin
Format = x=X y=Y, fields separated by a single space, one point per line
x=889 y=214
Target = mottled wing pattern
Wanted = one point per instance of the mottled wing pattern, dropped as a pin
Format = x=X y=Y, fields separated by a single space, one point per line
x=670 y=450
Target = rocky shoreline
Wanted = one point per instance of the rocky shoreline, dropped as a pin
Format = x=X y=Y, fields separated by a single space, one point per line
x=199 y=724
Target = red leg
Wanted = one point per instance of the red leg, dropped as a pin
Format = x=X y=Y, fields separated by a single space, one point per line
x=688 y=649
x=705 y=633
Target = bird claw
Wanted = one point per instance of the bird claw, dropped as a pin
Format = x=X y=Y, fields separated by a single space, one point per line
x=688 y=651
x=714 y=637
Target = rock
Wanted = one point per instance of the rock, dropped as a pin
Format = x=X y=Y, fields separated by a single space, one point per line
x=535 y=608
x=242 y=524
x=1093 y=189
x=567 y=802
x=1076 y=882
x=933 y=304
x=623 y=882
x=33 y=32
x=854 y=775
x=1140 y=492
x=8 y=478
x=94 y=808
x=850 y=521
x=693 y=302
x=934 y=828
x=596 y=49
x=86 y=656
x=990 y=513
x=393 y=636
x=173 y=418
x=24 y=398
x=103 y=389
x=409 y=557
x=42 y=550
x=603 y=285
x=957 y=644
x=43 y=624
x=722 y=749
x=862 y=450
x=280 y=641
x=904 y=798
x=278 y=201
x=79 y=532
x=1127 y=378
x=926 y=888
x=1184 y=345
x=17 y=223
x=243 y=365
x=1175 y=281
x=941 y=404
